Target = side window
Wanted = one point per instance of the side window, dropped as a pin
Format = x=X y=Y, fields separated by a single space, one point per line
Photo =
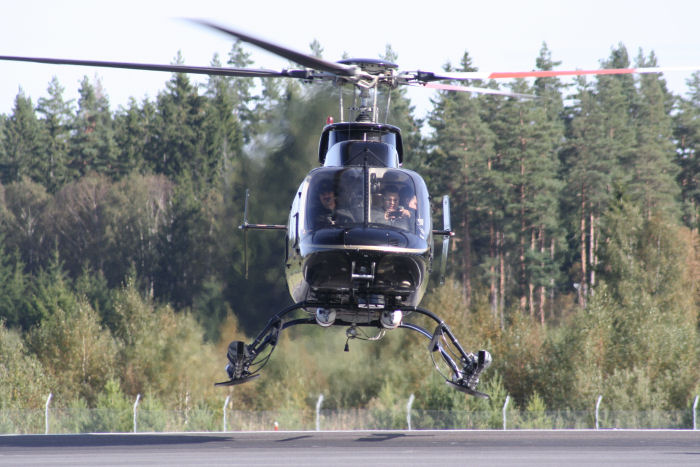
x=423 y=215
x=293 y=223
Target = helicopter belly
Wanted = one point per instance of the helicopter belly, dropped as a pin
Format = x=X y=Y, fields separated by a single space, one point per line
x=356 y=268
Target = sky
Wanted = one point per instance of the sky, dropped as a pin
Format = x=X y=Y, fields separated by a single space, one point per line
x=505 y=35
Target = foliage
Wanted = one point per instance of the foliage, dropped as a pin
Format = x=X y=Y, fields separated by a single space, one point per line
x=25 y=222
x=575 y=259
x=78 y=354
x=13 y=285
x=161 y=352
x=23 y=382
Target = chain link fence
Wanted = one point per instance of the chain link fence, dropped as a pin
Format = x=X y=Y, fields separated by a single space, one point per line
x=85 y=420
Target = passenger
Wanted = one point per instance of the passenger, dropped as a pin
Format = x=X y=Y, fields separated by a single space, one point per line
x=409 y=200
x=392 y=213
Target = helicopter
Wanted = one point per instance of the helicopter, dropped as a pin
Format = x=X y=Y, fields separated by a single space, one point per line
x=359 y=240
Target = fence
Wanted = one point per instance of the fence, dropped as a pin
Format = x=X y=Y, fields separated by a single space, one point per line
x=84 y=420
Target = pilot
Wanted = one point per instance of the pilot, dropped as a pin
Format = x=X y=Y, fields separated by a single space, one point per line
x=327 y=214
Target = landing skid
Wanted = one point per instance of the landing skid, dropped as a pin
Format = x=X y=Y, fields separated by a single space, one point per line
x=246 y=361
x=467 y=390
x=234 y=382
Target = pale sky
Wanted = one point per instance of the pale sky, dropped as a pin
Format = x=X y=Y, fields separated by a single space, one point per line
x=505 y=35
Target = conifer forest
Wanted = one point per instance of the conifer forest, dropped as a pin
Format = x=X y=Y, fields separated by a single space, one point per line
x=575 y=260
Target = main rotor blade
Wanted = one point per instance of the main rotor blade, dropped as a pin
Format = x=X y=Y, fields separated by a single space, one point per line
x=468 y=75
x=293 y=55
x=245 y=72
x=453 y=87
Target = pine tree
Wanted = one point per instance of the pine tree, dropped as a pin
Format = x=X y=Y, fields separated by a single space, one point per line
x=687 y=135
x=13 y=289
x=92 y=143
x=56 y=117
x=459 y=164
x=49 y=292
x=652 y=170
x=184 y=258
x=530 y=170
x=22 y=142
x=177 y=147
x=241 y=92
x=132 y=136
x=546 y=232
x=587 y=164
x=525 y=171
x=224 y=204
x=601 y=138
x=316 y=49
x=242 y=88
x=224 y=131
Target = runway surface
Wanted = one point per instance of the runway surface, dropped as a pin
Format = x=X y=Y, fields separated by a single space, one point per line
x=358 y=448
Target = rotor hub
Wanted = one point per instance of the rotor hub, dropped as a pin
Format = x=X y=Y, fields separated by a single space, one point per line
x=371 y=66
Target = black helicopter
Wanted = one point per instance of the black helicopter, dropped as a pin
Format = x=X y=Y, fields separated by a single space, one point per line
x=359 y=239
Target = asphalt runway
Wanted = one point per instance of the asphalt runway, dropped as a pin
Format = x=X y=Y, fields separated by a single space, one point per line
x=358 y=448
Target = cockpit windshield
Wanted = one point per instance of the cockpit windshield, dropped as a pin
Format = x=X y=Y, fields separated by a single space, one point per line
x=369 y=196
x=334 y=199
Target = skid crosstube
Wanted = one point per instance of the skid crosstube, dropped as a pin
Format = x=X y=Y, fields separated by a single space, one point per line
x=465 y=371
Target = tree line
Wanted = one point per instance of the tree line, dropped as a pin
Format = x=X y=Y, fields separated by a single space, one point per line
x=575 y=213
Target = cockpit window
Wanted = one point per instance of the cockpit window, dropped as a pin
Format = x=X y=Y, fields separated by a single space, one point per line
x=378 y=197
x=393 y=198
x=335 y=199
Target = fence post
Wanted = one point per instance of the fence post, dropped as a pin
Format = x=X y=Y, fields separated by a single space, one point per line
x=597 y=407
x=505 y=408
x=408 y=410
x=318 y=412
x=46 y=414
x=695 y=413
x=187 y=408
x=226 y=405
x=136 y=406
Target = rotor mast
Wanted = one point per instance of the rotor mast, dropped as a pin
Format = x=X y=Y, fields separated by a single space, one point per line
x=367 y=111
x=373 y=73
